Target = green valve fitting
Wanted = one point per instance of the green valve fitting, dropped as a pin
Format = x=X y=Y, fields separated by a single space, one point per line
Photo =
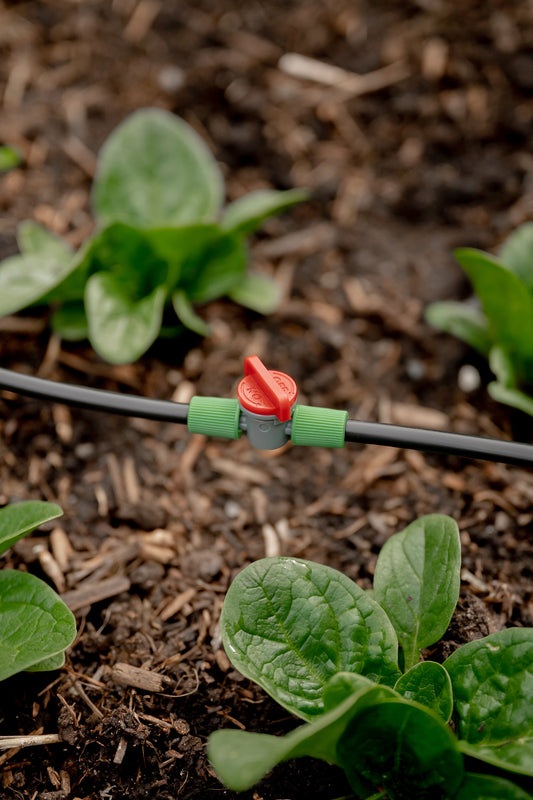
x=214 y=416
x=318 y=427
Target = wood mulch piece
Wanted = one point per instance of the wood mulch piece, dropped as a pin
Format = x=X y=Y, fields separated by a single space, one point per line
x=416 y=142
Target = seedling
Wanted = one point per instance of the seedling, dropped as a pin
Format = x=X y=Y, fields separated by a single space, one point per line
x=503 y=330
x=36 y=626
x=347 y=662
x=163 y=244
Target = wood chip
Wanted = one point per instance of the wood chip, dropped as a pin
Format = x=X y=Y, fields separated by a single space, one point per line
x=241 y=472
x=315 y=238
x=305 y=68
x=138 y=678
x=95 y=592
x=141 y=20
x=63 y=422
x=7 y=742
x=272 y=543
x=120 y=752
x=80 y=154
x=416 y=416
x=62 y=549
x=50 y=567
x=131 y=481
x=176 y=604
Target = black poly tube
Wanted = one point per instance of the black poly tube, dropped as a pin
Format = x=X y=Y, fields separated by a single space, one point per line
x=98 y=400
x=458 y=444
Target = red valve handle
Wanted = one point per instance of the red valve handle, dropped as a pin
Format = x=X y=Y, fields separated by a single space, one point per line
x=265 y=391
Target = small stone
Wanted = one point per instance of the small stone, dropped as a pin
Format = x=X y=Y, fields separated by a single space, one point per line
x=171 y=79
x=468 y=378
x=415 y=369
x=232 y=509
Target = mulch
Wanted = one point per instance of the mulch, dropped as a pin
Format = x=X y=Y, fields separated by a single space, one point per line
x=425 y=152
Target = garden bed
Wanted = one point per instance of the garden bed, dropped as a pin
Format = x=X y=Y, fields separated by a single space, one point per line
x=157 y=522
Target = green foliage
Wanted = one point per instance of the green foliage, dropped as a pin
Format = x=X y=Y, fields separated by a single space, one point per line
x=163 y=243
x=291 y=625
x=416 y=583
x=10 y=158
x=36 y=626
x=502 y=329
x=328 y=652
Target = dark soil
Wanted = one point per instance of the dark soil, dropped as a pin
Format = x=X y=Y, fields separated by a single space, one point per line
x=399 y=176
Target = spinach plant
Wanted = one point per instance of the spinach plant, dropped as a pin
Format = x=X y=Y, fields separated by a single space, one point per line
x=162 y=245
x=502 y=330
x=348 y=663
x=36 y=626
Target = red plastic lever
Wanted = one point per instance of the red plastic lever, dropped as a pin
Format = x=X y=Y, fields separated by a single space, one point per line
x=265 y=391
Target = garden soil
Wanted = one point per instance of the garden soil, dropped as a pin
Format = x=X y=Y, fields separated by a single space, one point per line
x=429 y=150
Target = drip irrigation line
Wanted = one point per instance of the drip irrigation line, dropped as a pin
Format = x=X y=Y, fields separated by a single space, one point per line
x=443 y=442
x=96 y=399
x=458 y=444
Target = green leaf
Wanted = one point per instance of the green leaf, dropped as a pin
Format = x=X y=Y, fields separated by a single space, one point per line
x=290 y=625
x=35 y=624
x=511 y=397
x=10 y=158
x=247 y=213
x=121 y=329
x=417 y=581
x=241 y=758
x=429 y=684
x=187 y=315
x=19 y=519
x=221 y=267
x=36 y=240
x=493 y=690
x=502 y=365
x=154 y=170
x=489 y=787
x=517 y=253
x=183 y=249
x=258 y=292
x=515 y=755
x=128 y=253
x=70 y=322
x=202 y=261
x=463 y=321
x=506 y=301
x=54 y=662
x=25 y=279
x=343 y=685
x=403 y=749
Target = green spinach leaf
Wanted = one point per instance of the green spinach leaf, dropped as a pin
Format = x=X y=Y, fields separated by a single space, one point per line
x=429 y=684
x=154 y=171
x=493 y=690
x=34 y=623
x=290 y=625
x=403 y=748
x=417 y=581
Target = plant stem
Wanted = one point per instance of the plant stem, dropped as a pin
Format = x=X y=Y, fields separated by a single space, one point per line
x=378 y=795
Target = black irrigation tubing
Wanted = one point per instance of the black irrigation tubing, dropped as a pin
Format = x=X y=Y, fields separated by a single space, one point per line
x=459 y=444
x=96 y=399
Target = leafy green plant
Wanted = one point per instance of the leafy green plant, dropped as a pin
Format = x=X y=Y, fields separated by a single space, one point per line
x=10 y=158
x=347 y=662
x=502 y=330
x=36 y=626
x=162 y=243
